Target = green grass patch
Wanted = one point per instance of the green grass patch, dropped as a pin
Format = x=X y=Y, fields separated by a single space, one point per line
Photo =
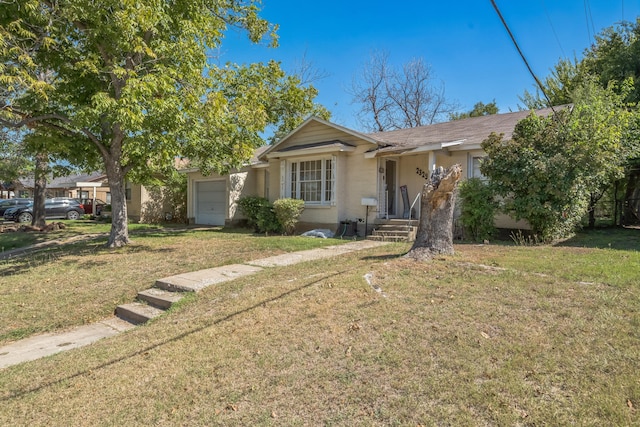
x=493 y=335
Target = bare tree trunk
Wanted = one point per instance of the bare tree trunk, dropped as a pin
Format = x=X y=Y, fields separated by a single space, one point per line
x=119 y=235
x=40 y=189
x=435 y=230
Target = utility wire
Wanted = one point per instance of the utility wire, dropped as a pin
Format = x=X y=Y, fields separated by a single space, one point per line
x=589 y=17
x=546 y=12
x=515 y=43
x=586 y=17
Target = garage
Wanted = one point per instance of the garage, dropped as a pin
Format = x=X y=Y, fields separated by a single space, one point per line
x=211 y=202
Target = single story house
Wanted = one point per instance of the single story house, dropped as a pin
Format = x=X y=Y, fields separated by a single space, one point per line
x=82 y=186
x=345 y=175
x=144 y=203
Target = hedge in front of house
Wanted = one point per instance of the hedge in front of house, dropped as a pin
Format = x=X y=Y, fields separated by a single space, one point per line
x=288 y=213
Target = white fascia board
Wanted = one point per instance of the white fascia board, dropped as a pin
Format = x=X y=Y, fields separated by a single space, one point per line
x=309 y=152
x=261 y=165
x=88 y=184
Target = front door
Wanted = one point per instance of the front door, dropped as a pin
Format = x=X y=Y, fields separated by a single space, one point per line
x=390 y=166
x=387 y=188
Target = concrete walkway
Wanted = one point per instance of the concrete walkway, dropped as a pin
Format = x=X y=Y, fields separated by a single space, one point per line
x=47 y=344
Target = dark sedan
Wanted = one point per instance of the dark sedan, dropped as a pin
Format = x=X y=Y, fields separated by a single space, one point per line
x=58 y=207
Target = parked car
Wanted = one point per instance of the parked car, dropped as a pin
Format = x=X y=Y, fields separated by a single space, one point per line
x=88 y=206
x=12 y=203
x=58 y=207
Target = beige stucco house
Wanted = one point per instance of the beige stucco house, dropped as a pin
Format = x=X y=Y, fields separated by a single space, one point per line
x=345 y=175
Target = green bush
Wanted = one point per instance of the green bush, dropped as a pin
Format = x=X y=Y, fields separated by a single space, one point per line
x=260 y=214
x=288 y=212
x=478 y=208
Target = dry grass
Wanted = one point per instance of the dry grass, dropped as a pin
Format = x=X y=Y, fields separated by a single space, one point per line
x=83 y=282
x=472 y=339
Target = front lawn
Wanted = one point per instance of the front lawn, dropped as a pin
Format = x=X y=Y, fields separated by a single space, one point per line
x=73 y=284
x=493 y=335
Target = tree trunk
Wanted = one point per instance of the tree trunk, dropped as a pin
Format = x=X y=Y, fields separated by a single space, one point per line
x=119 y=235
x=593 y=200
x=631 y=213
x=435 y=230
x=40 y=189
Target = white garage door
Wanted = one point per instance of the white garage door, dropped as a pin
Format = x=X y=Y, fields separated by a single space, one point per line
x=211 y=202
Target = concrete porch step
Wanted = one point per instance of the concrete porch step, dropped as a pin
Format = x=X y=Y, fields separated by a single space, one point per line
x=381 y=238
x=137 y=312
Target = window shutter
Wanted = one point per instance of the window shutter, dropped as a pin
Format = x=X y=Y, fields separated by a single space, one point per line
x=283 y=179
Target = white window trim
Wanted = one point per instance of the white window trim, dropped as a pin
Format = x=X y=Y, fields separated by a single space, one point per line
x=470 y=168
x=286 y=181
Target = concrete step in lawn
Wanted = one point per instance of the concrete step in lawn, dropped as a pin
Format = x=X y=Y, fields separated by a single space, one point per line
x=151 y=303
x=160 y=298
x=137 y=312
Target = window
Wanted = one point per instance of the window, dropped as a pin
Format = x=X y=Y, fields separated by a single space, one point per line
x=312 y=181
x=127 y=191
x=108 y=198
x=474 y=167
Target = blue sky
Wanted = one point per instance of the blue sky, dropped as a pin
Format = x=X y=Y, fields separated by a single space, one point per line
x=464 y=41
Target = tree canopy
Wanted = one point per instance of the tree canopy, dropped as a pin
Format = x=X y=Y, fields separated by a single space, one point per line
x=548 y=170
x=128 y=86
x=614 y=57
x=479 y=109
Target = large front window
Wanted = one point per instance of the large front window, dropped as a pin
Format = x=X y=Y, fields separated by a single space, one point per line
x=312 y=181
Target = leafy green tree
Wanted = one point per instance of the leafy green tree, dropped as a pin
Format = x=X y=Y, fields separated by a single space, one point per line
x=13 y=161
x=479 y=109
x=548 y=171
x=558 y=86
x=129 y=85
x=615 y=57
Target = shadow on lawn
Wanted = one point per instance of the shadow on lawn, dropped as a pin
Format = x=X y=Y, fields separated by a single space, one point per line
x=19 y=393
x=57 y=254
x=620 y=238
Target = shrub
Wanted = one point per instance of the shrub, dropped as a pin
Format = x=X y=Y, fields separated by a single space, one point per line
x=478 y=208
x=260 y=214
x=288 y=212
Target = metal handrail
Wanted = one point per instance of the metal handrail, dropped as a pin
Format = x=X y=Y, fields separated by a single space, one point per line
x=412 y=205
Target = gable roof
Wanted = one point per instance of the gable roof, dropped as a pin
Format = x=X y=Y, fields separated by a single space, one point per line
x=281 y=145
x=462 y=134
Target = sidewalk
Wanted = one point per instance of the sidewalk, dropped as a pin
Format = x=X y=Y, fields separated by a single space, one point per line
x=44 y=345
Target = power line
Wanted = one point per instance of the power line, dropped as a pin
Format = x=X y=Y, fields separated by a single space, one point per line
x=589 y=18
x=546 y=12
x=515 y=43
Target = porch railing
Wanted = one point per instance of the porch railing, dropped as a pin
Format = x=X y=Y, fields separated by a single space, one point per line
x=412 y=205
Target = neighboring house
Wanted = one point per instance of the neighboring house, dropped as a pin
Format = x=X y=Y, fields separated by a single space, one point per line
x=82 y=186
x=144 y=204
x=345 y=175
